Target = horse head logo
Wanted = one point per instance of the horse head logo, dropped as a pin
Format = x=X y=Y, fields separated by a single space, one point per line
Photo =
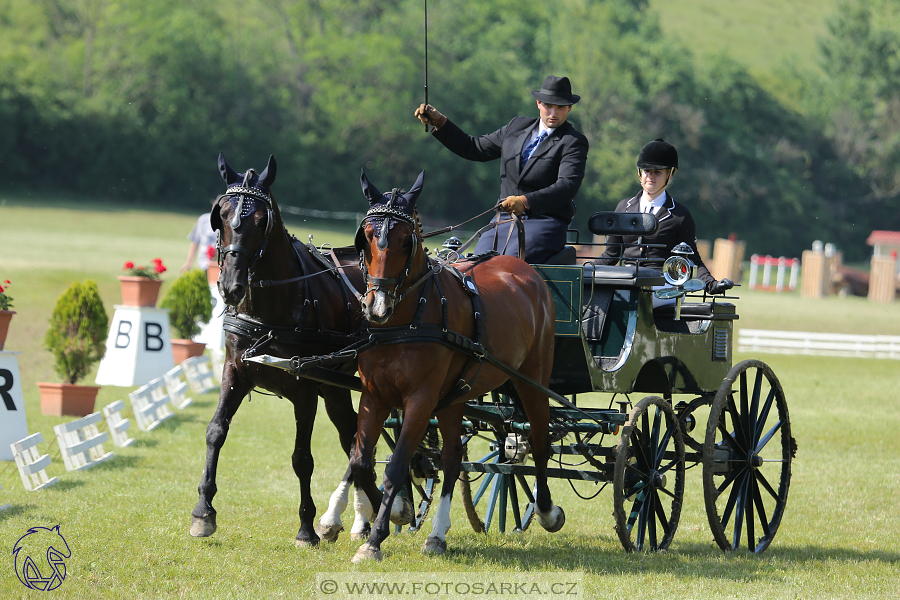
x=40 y=558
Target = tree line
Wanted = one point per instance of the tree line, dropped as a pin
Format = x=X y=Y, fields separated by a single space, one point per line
x=132 y=101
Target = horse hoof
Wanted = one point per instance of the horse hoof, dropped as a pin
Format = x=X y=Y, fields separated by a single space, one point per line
x=306 y=540
x=361 y=535
x=203 y=526
x=556 y=525
x=434 y=545
x=402 y=515
x=329 y=533
x=365 y=553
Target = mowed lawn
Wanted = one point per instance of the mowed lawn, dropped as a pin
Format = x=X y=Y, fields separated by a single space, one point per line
x=127 y=520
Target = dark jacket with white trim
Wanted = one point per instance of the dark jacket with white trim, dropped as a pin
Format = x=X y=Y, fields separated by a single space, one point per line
x=676 y=225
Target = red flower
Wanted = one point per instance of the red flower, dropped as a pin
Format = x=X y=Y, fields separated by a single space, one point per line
x=159 y=268
x=1 y=289
x=6 y=281
x=129 y=265
x=157 y=261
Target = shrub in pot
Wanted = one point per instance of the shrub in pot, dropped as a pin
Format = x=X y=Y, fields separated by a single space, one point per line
x=76 y=339
x=190 y=307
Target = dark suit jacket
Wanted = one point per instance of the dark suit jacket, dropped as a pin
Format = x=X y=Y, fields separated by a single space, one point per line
x=676 y=225
x=551 y=177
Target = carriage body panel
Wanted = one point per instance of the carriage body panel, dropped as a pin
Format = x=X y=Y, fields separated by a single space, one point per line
x=610 y=339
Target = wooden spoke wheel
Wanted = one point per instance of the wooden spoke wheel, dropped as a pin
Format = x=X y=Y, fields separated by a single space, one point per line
x=648 y=481
x=747 y=458
x=500 y=498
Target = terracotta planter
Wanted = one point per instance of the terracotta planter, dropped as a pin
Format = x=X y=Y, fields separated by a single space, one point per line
x=5 y=318
x=185 y=349
x=212 y=274
x=58 y=399
x=139 y=291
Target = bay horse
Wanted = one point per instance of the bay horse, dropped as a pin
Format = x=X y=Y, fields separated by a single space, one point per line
x=433 y=330
x=283 y=298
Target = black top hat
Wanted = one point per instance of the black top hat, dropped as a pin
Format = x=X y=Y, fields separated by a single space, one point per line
x=556 y=90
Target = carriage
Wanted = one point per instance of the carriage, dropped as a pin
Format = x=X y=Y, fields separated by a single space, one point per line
x=670 y=397
x=730 y=420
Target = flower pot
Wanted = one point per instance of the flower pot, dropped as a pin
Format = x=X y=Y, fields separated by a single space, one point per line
x=212 y=274
x=58 y=399
x=5 y=318
x=185 y=349
x=139 y=291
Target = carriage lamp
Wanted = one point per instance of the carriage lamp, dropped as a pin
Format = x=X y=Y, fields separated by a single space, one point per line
x=451 y=245
x=678 y=271
x=516 y=448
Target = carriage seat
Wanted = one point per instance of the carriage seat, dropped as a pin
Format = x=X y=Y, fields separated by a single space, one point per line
x=566 y=256
x=622 y=276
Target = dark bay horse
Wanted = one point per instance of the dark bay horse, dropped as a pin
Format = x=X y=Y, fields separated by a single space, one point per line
x=418 y=314
x=285 y=301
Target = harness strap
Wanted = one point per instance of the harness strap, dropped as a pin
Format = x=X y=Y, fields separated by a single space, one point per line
x=306 y=340
x=340 y=268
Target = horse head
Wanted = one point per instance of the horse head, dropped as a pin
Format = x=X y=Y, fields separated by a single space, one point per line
x=242 y=217
x=390 y=246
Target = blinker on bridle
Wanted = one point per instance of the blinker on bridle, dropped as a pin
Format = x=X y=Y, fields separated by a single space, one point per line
x=386 y=212
x=246 y=193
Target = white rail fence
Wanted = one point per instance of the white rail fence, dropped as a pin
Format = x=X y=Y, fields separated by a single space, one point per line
x=820 y=344
x=81 y=442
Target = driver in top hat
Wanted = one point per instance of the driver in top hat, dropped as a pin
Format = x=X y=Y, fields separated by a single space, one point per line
x=541 y=168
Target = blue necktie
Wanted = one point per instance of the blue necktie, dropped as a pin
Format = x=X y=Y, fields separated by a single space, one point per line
x=528 y=150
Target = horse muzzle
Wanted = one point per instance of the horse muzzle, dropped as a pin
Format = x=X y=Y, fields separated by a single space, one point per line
x=378 y=306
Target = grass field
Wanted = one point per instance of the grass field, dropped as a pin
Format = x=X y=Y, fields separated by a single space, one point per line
x=760 y=34
x=127 y=520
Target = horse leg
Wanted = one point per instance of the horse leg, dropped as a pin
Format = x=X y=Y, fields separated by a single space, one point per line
x=362 y=458
x=415 y=422
x=233 y=390
x=341 y=413
x=450 y=423
x=305 y=405
x=537 y=409
x=339 y=407
x=330 y=524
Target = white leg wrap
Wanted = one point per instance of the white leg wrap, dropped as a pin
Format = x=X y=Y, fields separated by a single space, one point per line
x=360 y=523
x=362 y=506
x=336 y=506
x=440 y=524
x=550 y=518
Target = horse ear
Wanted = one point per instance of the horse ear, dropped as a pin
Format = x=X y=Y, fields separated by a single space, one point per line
x=413 y=194
x=267 y=177
x=368 y=189
x=228 y=174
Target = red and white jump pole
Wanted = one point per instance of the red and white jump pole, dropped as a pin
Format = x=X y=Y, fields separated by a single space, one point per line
x=767 y=262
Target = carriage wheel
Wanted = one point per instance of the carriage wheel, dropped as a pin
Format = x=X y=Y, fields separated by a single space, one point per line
x=423 y=480
x=747 y=458
x=505 y=500
x=648 y=482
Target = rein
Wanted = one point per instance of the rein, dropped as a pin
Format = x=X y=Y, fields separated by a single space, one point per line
x=437 y=264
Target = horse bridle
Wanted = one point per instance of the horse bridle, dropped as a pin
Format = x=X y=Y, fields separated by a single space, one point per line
x=243 y=192
x=386 y=212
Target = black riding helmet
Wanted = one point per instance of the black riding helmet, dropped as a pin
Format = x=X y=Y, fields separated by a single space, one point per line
x=658 y=154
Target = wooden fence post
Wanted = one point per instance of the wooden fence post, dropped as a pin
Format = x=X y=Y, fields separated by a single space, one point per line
x=883 y=279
